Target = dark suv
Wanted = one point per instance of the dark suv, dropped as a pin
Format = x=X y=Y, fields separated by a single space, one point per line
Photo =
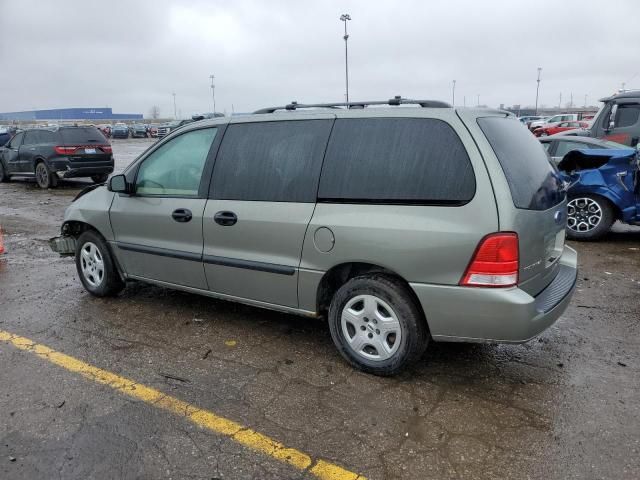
x=66 y=152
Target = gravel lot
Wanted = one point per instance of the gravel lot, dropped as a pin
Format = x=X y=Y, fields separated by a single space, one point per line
x=564 y=406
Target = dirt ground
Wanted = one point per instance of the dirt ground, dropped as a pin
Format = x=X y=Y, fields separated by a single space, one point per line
x=564 y=406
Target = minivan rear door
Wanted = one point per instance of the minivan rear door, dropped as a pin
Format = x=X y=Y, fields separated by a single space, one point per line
x=262 y=197
x=530 y=194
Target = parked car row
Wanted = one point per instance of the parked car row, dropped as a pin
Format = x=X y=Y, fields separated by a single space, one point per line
x=50 y=154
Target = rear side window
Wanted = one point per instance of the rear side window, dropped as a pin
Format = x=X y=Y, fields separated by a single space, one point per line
x=533 y=182
x=271 y=161
x=31 y=137
x=396 y=160
x=627 y=115
x=82 y=136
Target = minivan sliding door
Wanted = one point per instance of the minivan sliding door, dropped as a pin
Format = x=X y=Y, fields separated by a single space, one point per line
x=262 y=197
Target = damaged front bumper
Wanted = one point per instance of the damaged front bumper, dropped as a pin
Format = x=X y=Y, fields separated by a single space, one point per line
x=64 y=245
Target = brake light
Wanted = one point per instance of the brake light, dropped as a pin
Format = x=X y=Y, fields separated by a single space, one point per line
x=106 y=148
x=495 y=262
x=65 y=150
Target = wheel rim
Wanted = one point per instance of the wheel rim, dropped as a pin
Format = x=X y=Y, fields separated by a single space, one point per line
x=371 y=328
x=583 y=215
x=42 y=176
x=92 y=264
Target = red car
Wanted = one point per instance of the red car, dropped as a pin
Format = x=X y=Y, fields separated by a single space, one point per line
x=558 y=127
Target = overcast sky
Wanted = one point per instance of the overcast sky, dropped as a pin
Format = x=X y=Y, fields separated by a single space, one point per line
x=131 y=55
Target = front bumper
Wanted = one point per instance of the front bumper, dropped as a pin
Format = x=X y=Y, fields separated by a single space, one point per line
x=510 y=315
x=63 y=245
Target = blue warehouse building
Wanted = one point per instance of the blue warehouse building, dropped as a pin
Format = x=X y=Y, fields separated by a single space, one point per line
x=71 y=114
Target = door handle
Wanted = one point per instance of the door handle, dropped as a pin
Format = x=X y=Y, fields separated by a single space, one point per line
x=226 y=219
x=182 y=215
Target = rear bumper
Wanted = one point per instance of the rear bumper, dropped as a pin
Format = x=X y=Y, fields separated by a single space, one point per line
x=463 y=314
x=68 y=169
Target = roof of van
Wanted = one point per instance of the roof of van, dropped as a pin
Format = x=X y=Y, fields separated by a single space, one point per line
x=627 y=94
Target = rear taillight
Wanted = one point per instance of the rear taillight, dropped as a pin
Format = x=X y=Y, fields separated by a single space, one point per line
x=60 y=150
x=106 y=148
x=495 y=262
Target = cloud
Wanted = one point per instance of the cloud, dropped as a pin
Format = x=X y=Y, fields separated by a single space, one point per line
x=132 y=55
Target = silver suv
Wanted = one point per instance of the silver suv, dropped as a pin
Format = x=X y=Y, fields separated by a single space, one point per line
x=399 y=224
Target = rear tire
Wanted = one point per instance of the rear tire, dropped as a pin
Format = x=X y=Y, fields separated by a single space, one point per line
x=96 y=267
x=45 y=177
x=4 y=176
x=376 y=325
x=100 y=178
x=589 y=217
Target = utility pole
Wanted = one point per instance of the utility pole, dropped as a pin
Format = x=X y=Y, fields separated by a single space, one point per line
x=560 y=101
x=453 y=94
x=213 y=93
x=175 y=111
x=571 y=101
x=345 y=17
x=538 y=89
x=585 y=100
x=464 y=101
x=478 y=100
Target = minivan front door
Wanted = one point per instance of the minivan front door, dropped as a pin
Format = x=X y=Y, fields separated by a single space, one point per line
x=158 y=229
x=262 y=197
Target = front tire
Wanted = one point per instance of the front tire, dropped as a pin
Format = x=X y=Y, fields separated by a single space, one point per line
x=589 y=217
x=96 y=267
x=45 y=178
x=376 y=325
x=100 y=178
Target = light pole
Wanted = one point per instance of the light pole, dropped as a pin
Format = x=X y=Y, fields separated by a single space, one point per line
x=585 y=100
x=213 y=93
x=538 y=89
x=175 y=111
x=478 y=100
x=453 y=94
x=345 y=17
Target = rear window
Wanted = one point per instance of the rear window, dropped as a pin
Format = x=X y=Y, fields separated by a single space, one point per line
x=396 y=160
x=82 y=136
x=534 y=183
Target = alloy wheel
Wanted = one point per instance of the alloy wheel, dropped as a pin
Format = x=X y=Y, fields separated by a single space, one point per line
x=583 y=214
x=92 y=264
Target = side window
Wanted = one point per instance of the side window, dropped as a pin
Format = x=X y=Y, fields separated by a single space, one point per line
x=396 y=160
x=546 y=145
x=31 y=138
x=176 y=167
x=271 y=161
x=16 y=141
x=45 y=136
x=627 y=115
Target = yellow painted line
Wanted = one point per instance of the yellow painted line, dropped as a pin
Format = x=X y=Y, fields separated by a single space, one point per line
x=203 y=418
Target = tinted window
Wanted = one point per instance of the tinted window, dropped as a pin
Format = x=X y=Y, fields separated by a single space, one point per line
x=396 y=160
x=176 y=167
x=46 y=136
x=271 y=161
x=532 y=180
x=31 y=137
x=16 y=141
x=627 y=115
x=82 y=136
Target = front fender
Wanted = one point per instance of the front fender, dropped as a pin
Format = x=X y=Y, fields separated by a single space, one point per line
x=92 y=209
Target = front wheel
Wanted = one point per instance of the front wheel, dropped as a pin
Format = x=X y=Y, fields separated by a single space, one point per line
x=376 y=325
x=100 y=178
x=96 y=267
x=45 y=178
x=589 y=217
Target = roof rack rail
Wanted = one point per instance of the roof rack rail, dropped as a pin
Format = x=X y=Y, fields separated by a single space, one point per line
x=397 y=100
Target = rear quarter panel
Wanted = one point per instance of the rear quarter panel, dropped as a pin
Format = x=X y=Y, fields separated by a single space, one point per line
x=422 y=244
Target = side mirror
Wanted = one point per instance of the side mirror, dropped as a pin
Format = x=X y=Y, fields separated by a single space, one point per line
x=118 y=184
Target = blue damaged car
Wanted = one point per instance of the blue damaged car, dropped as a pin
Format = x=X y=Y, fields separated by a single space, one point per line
x=603 y=186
